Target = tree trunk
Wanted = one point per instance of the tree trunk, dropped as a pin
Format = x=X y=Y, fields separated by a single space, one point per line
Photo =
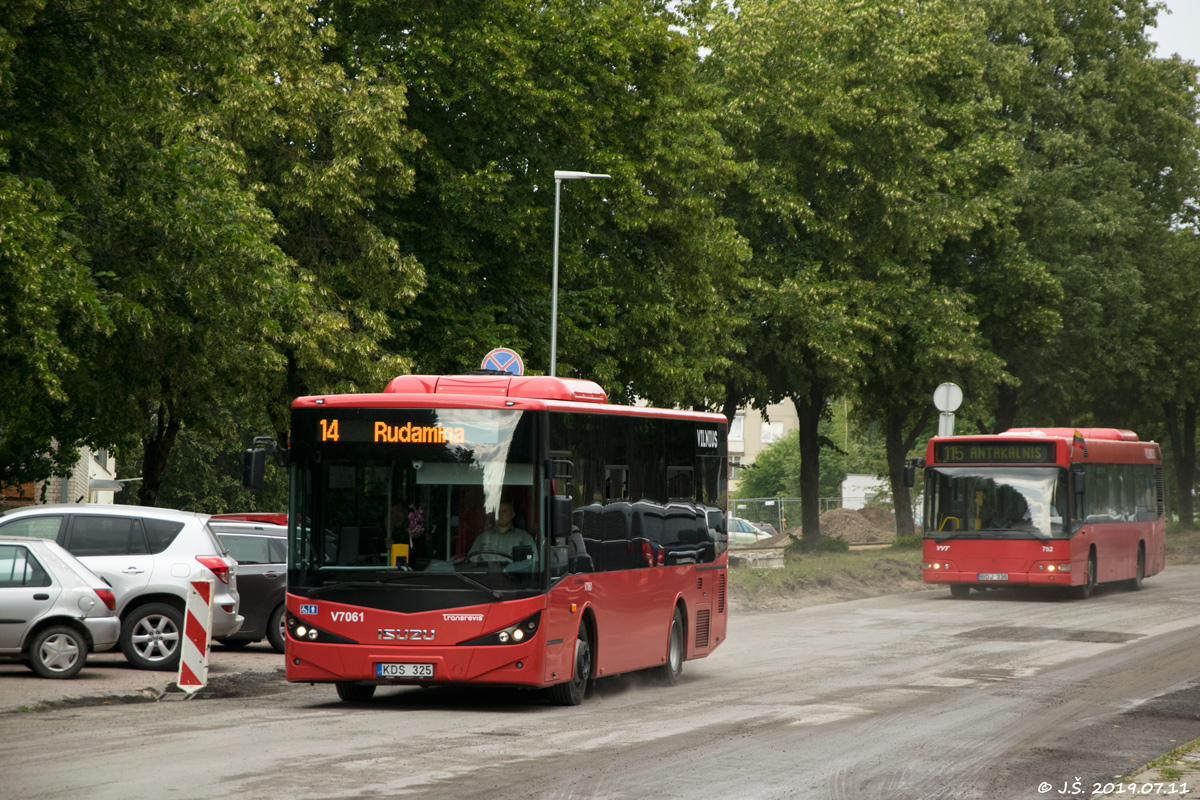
x=1182 y=433
x=897 y=453
x=809 y=408
x=156 y=448
x=898 y=447
x=1006 y=408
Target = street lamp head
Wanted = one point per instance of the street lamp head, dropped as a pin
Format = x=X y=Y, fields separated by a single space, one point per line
x=568 y=175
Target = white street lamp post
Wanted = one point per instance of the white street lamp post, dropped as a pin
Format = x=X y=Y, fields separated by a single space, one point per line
x=560 y=175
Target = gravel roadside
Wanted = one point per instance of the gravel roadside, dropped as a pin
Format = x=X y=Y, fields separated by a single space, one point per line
x=108 y=678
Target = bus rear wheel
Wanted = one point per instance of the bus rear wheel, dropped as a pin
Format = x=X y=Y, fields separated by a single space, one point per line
x=668 y=674
x=571 y=692
x=959 y=590
x=353 y=692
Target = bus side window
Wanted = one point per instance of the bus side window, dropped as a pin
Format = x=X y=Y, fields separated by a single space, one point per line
x=616 y=483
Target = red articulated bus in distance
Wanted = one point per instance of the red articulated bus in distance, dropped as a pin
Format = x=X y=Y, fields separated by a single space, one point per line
x=1052 y=507
x=500 y=530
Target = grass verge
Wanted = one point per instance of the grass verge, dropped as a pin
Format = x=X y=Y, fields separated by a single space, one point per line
x=816 y=578
x=809 y=579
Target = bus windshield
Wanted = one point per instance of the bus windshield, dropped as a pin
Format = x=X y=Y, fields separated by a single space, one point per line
x=996 y=503
x=429 y=498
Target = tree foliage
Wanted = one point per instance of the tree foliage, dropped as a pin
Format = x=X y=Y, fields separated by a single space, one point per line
x=504 y=93
x=870 y=144
x=208 y=207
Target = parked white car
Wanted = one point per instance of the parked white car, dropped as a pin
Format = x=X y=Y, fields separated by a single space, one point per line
x=53 y=609
x=743 y=533
x=148 y=555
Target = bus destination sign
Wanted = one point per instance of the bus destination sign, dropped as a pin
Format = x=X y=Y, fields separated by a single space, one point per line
x=995 y=453
x=361 y=430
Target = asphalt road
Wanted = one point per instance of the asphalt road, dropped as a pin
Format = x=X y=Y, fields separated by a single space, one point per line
x=907 y=697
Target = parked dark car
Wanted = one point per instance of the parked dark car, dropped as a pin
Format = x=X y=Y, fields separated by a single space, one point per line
x=261 y=552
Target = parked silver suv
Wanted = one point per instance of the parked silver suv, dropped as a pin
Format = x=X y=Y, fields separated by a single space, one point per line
x=53 y=609
x=148 y=556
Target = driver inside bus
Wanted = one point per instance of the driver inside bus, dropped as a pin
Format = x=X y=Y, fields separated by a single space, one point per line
x=500 y=542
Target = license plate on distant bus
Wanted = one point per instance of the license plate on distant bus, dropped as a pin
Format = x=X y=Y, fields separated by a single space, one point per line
x=404 y=670
x=993 y=576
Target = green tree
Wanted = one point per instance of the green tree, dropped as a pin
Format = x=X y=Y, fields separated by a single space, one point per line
x=222 y=178
x=49 y=302
x=48 y=305
x=176 y=247
x=1174 y=374
x=326 y=146
x=205 y=472
x=868 y=145
x=504 y=93
x=847 y=448
x=1104 y=131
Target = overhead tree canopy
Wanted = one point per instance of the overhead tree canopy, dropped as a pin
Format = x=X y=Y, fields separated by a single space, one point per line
x=504 y=94
x=869 y=143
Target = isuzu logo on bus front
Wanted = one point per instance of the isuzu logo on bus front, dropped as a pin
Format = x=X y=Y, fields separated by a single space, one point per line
x=398 y=635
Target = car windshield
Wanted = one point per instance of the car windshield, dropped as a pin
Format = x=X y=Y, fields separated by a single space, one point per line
x=436 y=499
x=996 y=503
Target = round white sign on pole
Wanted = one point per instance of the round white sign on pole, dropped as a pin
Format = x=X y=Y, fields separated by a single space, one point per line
x=947 y=397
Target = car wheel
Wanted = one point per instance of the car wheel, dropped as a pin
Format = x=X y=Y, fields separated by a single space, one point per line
x=355 y=692
x=571 y=692
x=277 y=629
x=151 y=636
x=668 y=674
x=58 y=652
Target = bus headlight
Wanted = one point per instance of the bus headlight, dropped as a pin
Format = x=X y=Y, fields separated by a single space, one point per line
x=513 y=634
x=302 y=630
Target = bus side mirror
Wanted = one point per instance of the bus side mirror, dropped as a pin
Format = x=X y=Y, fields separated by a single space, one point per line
x=910 y=471
x=1078 y=481
x=254 y=463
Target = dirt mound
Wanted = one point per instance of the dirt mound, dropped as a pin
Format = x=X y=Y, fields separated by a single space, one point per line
x=854 y=527
x=881 y=518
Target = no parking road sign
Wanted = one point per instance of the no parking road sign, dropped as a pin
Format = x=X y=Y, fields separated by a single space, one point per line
x=504 y=360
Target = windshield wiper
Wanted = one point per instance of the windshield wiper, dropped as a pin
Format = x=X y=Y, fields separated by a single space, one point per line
x=359 y=584
x=958 y=535
x=478 y=585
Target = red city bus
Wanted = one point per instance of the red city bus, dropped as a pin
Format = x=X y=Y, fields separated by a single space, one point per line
x=502 y=530
x=1043 y=507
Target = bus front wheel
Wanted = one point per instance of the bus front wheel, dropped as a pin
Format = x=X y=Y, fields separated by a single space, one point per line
x=1135 y=583
x=1089 y=584
x=571 y=692
x=959 y=590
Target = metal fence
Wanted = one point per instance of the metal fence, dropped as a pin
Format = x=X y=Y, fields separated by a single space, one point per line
x=782 y=512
